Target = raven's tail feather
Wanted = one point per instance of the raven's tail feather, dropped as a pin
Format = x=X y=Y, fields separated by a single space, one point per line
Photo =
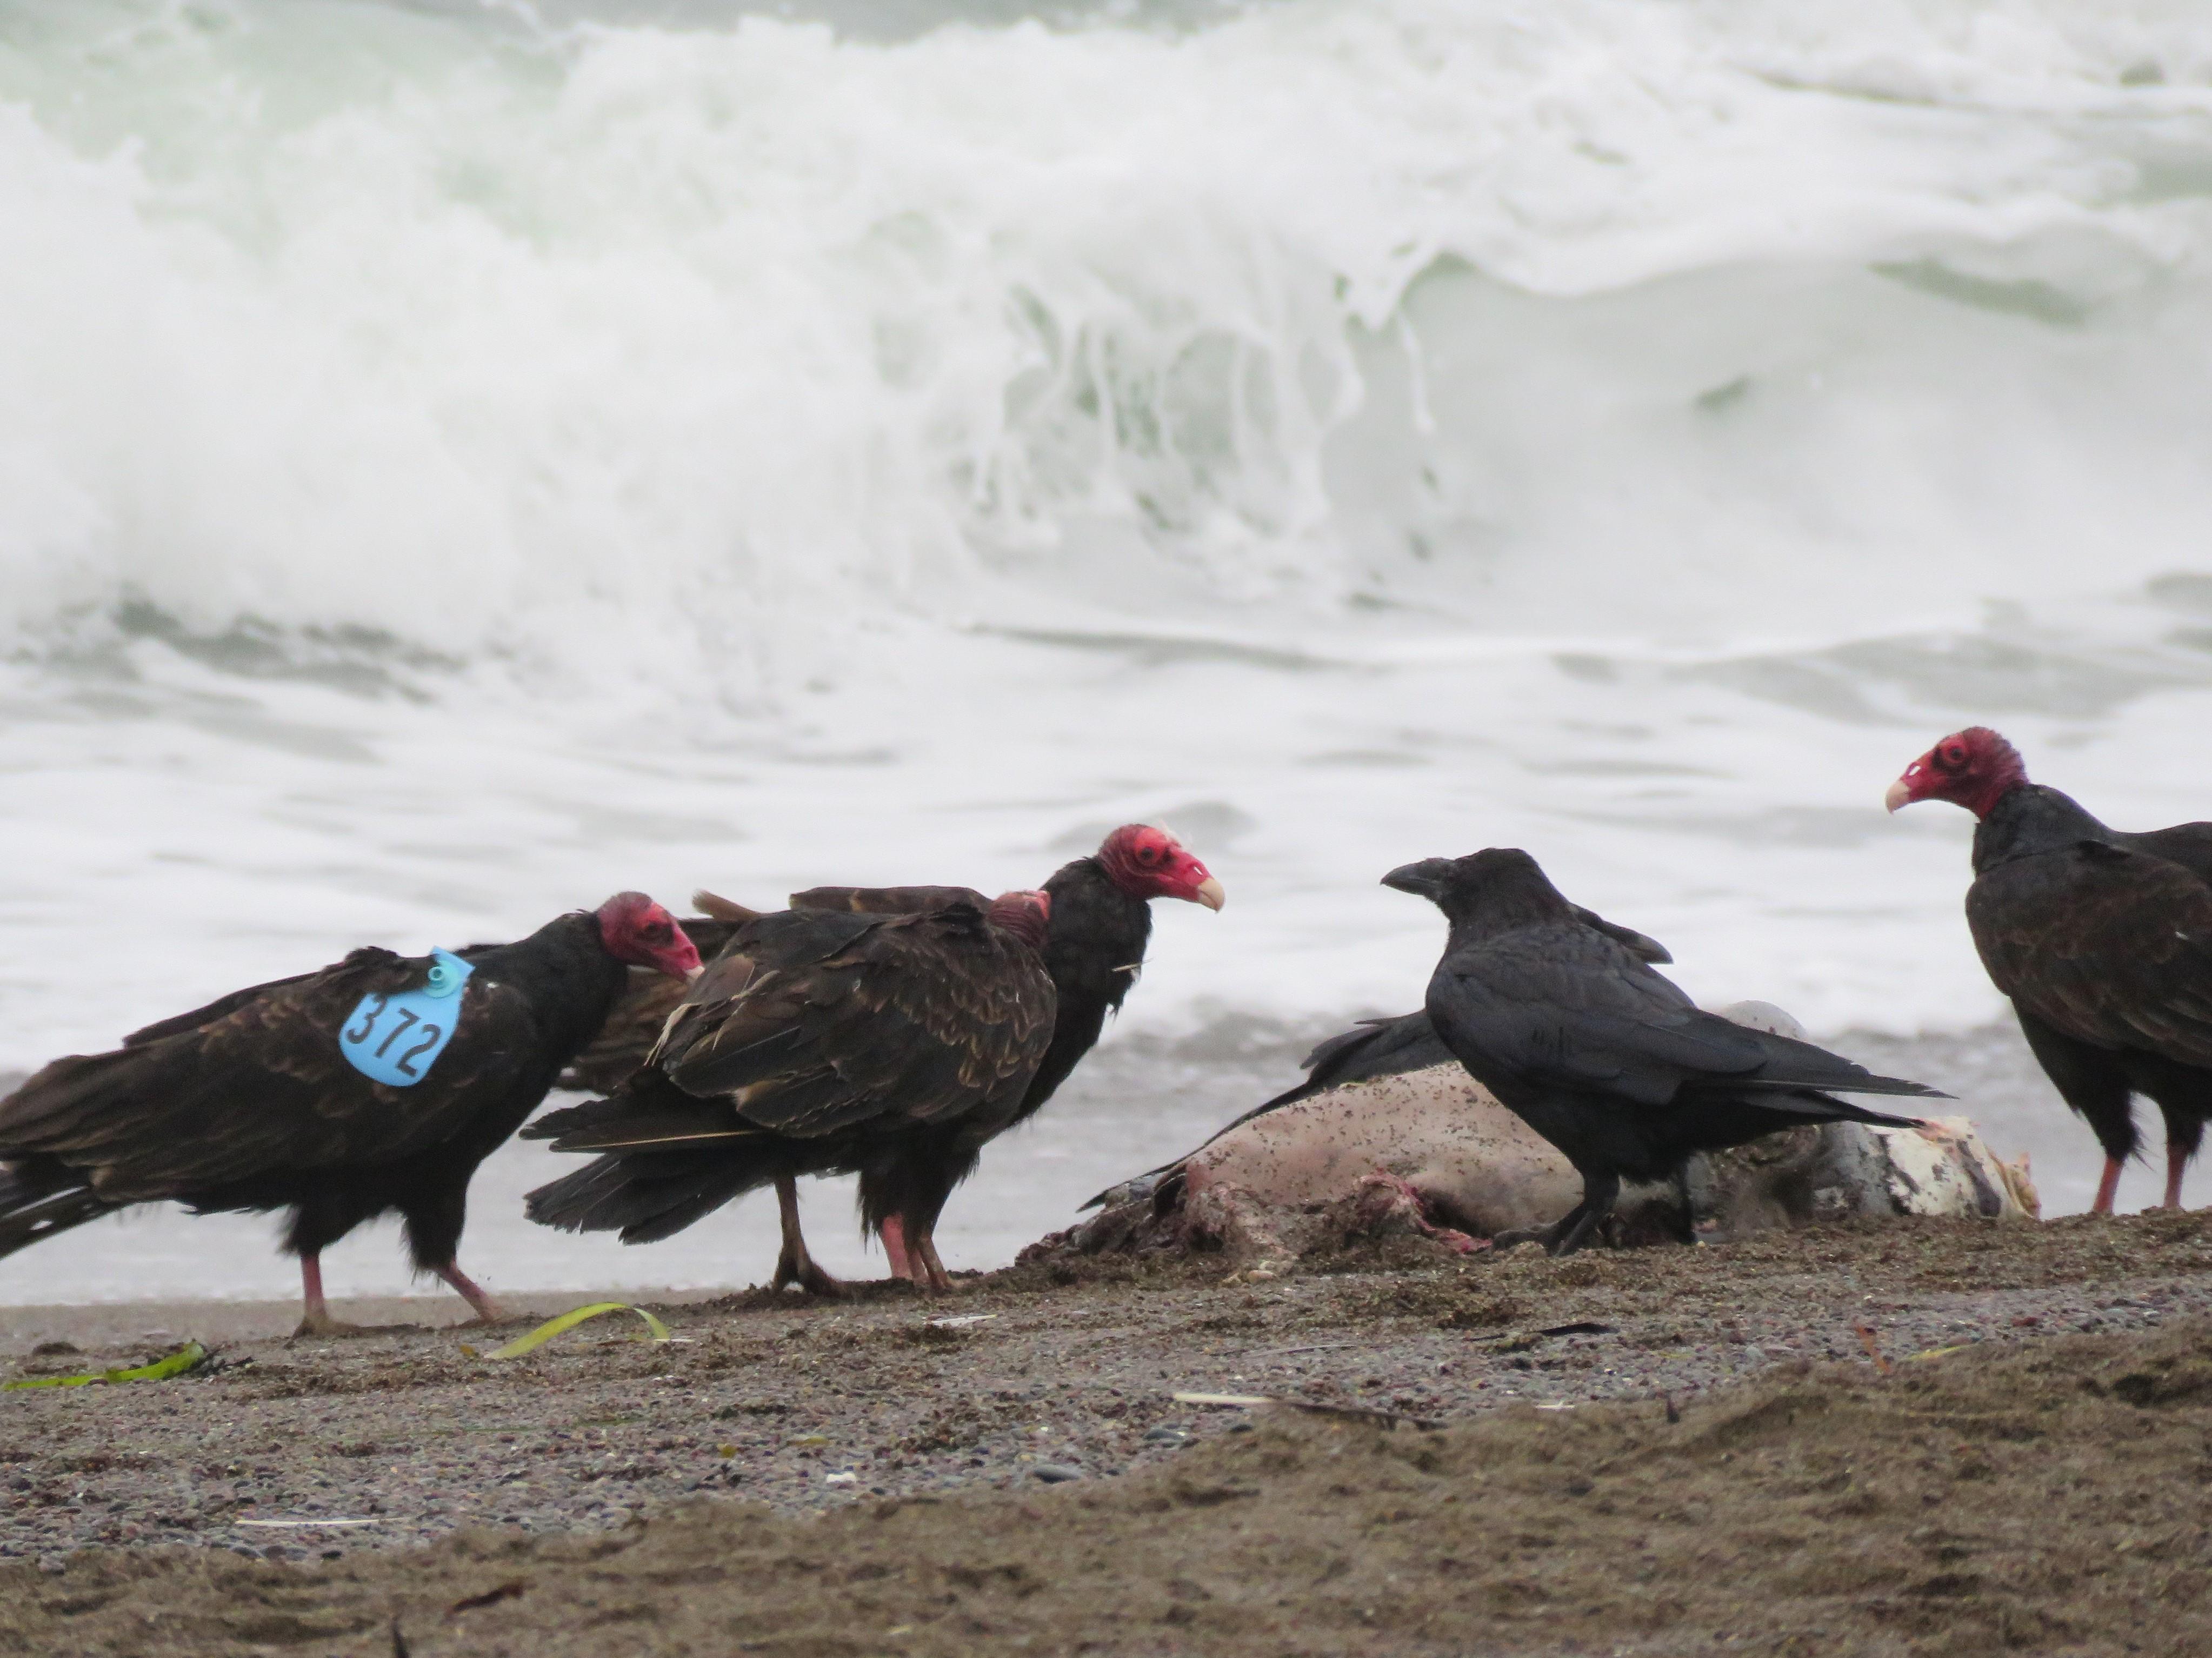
x=1791 y=1064
x=1807 y=1105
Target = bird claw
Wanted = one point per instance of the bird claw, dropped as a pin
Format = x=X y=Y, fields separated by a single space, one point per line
x=1520 y=1235
x=808 y=1277
x=322 y=1324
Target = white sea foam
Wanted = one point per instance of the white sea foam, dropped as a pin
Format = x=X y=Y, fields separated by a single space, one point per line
x=457 y=463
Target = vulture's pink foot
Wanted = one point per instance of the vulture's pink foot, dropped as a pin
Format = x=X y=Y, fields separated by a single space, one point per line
x=315 y=1318
x=318 y=1322
x=488 y=1311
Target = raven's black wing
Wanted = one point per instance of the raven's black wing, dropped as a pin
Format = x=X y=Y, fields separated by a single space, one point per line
x=1641 y=946
x=1557 y=1005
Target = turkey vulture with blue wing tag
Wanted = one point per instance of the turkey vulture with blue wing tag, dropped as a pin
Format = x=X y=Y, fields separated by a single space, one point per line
x=2102 y=939
x=821 y=1041
x=1613 y=1065
x=377 y=1084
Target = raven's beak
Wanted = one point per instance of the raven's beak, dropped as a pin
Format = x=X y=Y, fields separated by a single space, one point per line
x=1424 y=880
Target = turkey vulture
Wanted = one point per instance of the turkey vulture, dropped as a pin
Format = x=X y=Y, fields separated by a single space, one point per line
x=646 y=1000
x=2102 y=940
x=1373 y=1049
x=1601 y=1056
x=377 y=1084
x=1095 y=942
x=821 y=1041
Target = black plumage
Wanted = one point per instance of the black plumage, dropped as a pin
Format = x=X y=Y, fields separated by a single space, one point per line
x=1372 y=1048
x=249 y=1103
x=821 y=1041
x=2102 y=940
x=1610 y=1063
x=1390 y=1048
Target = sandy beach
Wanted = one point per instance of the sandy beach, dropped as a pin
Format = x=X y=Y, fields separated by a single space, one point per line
x=1870 y=1421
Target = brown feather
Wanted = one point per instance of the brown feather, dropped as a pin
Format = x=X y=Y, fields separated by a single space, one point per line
x=722 y=909
x=2104 y=945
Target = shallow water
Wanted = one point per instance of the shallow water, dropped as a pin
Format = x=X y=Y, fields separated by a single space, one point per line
x=459 y=460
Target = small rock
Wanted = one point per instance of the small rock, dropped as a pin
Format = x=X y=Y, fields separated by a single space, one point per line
x=1054 y=1473
x=52 y=1564
x=1168 y=1433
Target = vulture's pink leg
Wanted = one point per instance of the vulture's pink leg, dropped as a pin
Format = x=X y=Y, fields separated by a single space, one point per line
x=488 y=1310
x=2106 y=1186
x=2176 y=1160
x=894 y=1235
x=315 y=1318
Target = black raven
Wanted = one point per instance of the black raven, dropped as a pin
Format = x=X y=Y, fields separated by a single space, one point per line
x=1608 y=1061
x=1390 y=1048
x=1370 y=1049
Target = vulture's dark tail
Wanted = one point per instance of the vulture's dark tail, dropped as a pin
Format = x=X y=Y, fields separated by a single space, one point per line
x=652 y=1195
x=36 y=1203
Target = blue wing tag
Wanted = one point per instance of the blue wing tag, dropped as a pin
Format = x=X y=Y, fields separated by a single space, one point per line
x=395 y=1038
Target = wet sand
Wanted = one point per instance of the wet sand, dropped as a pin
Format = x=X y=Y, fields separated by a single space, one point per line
x=863 y=1477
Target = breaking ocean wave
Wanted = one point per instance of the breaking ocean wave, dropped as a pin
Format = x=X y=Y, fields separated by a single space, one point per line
x=459 y=459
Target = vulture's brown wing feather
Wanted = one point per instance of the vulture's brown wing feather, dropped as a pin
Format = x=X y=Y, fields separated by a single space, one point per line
x=888 y=900
x=261 y=1085
x=919 y=1016
x=238 y=999
x=2108 y=945
x=2189 y=844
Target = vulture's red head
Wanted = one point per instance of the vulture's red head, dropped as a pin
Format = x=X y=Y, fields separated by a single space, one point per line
x=1146 y=862
x=1974 y=769
x=634 y=929
x=1025 y=914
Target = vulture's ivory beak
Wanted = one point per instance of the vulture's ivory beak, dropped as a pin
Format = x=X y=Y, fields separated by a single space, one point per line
x=1899 y=794
x=1211 y=893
